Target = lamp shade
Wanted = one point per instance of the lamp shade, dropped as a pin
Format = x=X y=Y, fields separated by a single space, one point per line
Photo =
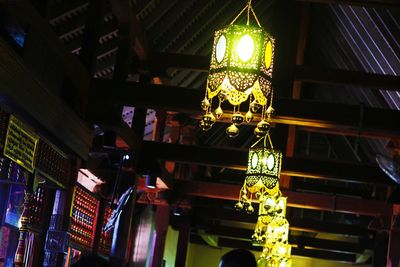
x=263 y=170
x=241 y=64
x=240 y=71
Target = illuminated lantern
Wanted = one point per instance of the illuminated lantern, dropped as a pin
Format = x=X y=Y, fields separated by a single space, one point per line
x=262 y=176
x=240 y=71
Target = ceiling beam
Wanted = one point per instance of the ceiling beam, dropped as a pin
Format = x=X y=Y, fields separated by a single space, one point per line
x=346 y=77
x=311 y=253
x=237 y=159
x=296 y=224
x=297 y=240
x=337 y=118
x=162 y=61
x=295 y=199
x=126 y=16
x=74 y=70
x=22 y=88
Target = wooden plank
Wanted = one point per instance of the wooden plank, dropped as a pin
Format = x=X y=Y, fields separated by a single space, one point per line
x=237 y=159
x=295 y=199
x=346 y=77
x=303 y=20
x=297 y=224
x=332 y=117
x=20 y=86
x=159 y=62
x=302 y=241
x=74 y=70
x=311 y=253
x=90 y=43
x=126 y=17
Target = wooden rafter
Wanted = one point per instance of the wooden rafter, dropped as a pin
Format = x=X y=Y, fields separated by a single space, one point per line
x=302 y=241
x=161 y=61
x=295 y=199
x=299 y=167
x=334 y=118
x=20 y=86
x=297 y=224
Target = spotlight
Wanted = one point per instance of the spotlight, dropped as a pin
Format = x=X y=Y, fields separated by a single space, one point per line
x=151 y=181
x=126 y=157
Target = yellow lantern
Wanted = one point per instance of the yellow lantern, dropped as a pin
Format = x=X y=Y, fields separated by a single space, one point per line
x=240 y=71
x=270 y=208
x=262 y=176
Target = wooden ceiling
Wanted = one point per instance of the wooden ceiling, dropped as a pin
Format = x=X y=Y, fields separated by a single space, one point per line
x=107 y=53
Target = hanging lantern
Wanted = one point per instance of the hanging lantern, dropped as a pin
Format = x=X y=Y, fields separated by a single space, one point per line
x=270 y=208
x=266 y=260
x=240 y=71
x=277 y=232
x=262 y=176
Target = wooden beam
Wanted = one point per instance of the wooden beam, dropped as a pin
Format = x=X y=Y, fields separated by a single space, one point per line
x=295 y=199
x=303 y=20
x=74 y=70
x=237 y=159
x=335 y=118
x=346 y=77
x=22 y=88
x=311 y=253
x=298 y=240
x=126 y=17
x=90 y=40
x=160 y=61
x=296 y=224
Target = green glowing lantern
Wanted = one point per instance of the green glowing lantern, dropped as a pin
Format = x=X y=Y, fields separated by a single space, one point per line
x=240 y=71
x=262 y=175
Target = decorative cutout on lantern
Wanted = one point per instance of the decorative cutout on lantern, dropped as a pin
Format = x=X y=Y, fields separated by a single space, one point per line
x=240 y=71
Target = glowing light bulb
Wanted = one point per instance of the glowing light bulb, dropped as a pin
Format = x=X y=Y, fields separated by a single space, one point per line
x=245 y=48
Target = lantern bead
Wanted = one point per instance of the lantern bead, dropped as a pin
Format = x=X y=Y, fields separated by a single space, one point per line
x=232 y=131
x=237 y=118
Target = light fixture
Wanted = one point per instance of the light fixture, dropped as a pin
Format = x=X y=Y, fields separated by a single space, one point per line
x=240 y=71
x=271 y=208
x=262 y=176
x=277 y=250
x=262 y=181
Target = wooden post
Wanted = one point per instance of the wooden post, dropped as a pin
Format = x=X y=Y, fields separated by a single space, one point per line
x=380 y=248
x=162 y=221
x=393 y=255
x=183 y=242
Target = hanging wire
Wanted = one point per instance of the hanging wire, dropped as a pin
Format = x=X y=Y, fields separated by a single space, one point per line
x=255 y=16
x=272 y=96
x=264 y=138
x=270 y=141
x=249 y=10
x=238 y=15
